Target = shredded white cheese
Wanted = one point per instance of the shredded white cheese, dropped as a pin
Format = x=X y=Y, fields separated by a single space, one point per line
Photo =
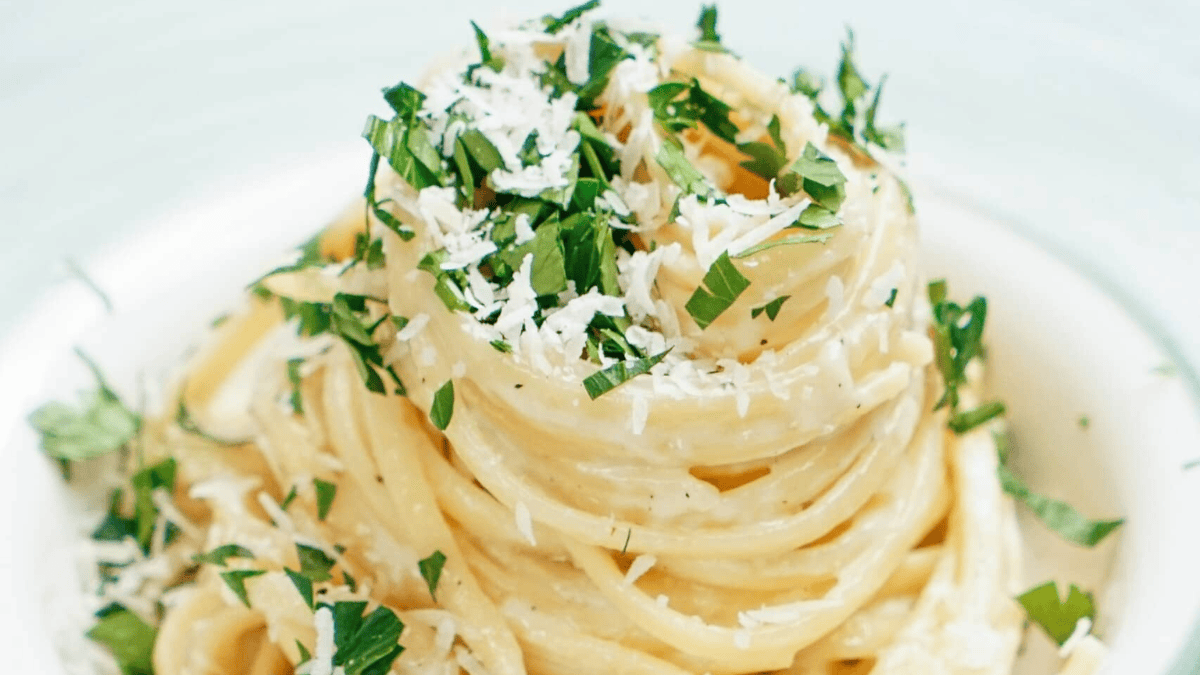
x=524 y=522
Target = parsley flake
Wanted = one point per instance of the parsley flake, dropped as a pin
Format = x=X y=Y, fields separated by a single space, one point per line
x=710 y=40
x=128 y=637
x=957 y=339
x=295 y=380
x=681 y=172
x=236 y=581
x=304 y=585
x=1059 y=516
x=365 y=645
x=962 y=422
x=721 y=286
x=221 y=554
x=619 y=373
x=1045 y=607
x=101 y=426
x=442 y=409
x=431 y=571
x=771 y=308
x=556 y=24
x=326 y=492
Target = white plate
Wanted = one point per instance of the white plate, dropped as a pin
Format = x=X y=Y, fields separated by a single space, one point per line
x=1058 y=349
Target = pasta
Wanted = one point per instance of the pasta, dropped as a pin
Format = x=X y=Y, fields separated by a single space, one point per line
x=768 y=488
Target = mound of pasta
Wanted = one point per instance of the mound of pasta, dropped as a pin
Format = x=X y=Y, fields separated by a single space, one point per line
x=623 y=365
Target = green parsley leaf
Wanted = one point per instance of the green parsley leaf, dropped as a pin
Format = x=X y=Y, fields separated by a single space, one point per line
x=128 y=637
x=721 y=286
x=890 y=138
x=289 y=498
x=962 y=422
x=221 y=554
x=405 y=100
x=486 y=58
x=807 y=83
x=1059 y=516
x=891 y=301
x=431 y=571
x=326 y=492
x=443 y=406
x=619 y=373
x=236 y=581
x=818 y=175
x=603 y=57
x=957 y=338
x=698 y=107
x=771 y=308
x=786 y=241
x=185 y=421
x=850 y=82
x=365 y=645
x=408 y=148
x=816 y=217
x=349 y=581
x=160 y=476
x=303 y=585
x=1044 y=606
x=115 y=527
x=710 y=40
x=103 y=425
x=295 y=380
x=765 y=160
x=315 y=564
x=671 y=158
x=556 y=24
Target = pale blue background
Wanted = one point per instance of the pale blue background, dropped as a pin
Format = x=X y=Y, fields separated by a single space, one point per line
x=1079 y=120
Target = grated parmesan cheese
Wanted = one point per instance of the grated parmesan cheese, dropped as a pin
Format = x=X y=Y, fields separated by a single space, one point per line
x=524 y=522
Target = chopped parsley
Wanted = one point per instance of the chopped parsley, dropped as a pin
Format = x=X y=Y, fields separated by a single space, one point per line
x=365 y=645
x=891 y=301
x=556 y=24
x=102 y=425
x=315 y=567
x=681 y=172
x=771 y=308
x=303 y=584
x=710 y=40
x=221 y=554
x=1059 y=516
x=326 y=492
x=1056 y=616
x=962 y=422
x=295 y=379
x=128 y=637
x=854 y=123
x=721 y=286
x=236 y=581
x=289 y=498
x=619 y=373
x=442 y=409
x=431 y=571
x=957 y=339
